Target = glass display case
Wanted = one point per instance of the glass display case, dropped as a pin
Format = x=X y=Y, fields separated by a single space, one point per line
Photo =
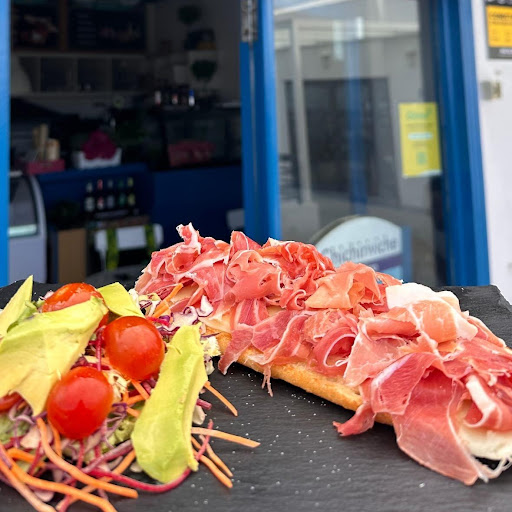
x=27 y=229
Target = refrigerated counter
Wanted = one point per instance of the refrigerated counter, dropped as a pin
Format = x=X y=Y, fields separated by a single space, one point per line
x=27 y=229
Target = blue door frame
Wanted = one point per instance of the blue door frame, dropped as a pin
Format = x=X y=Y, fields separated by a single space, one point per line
x=4 y=140
x=464 y=202
x=260 y=160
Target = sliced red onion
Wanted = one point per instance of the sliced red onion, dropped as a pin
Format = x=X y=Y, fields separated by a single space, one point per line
x=83 y=362
x=37 y=457
x=147 y=387
x=204 y=404
x=142 y=486
x=143 y=304
x=43 y=495
x=24 y=418
x=206 y=308
x=188 y=317
x=155 y=488
x=118 y=451
x=31 y=440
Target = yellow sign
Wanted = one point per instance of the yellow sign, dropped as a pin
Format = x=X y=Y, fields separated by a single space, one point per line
x=419 y=139
x=499 y=26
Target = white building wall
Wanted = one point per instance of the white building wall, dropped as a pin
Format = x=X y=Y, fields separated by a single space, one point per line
x=496 y=136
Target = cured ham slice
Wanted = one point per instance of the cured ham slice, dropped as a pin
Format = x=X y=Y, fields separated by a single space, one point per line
x=263 y=336
x=428 y=433
x=401 y=352
x=351 y=284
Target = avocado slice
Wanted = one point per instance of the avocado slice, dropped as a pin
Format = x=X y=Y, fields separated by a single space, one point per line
x=16 y=306
x=36 y=352
x=161 y=436
x=119 y=301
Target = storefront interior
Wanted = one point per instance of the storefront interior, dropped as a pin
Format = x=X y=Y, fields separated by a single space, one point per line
x=125 y=116
x=125 y=122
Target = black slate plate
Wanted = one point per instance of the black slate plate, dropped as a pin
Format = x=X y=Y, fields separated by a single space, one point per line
x=302 y=465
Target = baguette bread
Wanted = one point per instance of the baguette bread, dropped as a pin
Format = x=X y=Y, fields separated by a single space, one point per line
x=492 y=445
x=428 y=412
x=332 y=389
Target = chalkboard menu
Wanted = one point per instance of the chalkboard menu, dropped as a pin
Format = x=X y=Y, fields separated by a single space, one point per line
x=106 y=26
x=35 y=24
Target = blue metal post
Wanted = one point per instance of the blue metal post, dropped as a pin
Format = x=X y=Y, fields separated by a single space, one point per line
x=4 y=140
x=269 y=205
x=465 y=220
x=249 y=174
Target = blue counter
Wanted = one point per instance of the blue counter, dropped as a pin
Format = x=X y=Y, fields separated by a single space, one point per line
x=202 y=195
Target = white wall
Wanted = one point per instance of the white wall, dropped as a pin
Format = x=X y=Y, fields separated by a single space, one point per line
x=496 y=137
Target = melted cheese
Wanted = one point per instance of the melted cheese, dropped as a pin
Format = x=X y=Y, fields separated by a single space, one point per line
x=489 y=444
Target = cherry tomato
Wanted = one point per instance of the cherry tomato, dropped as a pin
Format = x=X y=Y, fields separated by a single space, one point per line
x=8 y=401
x=134 y=346
x=79 y=403
x=71 y=294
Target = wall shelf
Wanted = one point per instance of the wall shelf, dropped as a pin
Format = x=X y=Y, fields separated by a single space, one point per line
x=52 y=73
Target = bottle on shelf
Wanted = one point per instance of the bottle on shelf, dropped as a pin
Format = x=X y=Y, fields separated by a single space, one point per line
x=89 y=201
x=110 y=198
x=131 y=198
x=191 y=98
x=100 y=196
x=121 y=195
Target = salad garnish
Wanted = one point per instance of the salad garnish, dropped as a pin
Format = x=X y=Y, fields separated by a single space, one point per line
x=95 y=383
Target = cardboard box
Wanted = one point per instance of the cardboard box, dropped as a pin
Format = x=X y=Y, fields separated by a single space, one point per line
x=71 y=255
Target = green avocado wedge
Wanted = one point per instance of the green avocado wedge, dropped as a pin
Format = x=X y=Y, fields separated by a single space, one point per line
x=16 y=306
x=36 y=352
x=119 y=301
x=161 y=436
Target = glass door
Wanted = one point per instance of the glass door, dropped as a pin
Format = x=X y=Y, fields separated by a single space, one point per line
x=358 y=133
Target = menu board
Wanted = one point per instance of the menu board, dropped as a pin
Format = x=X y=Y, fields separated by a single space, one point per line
x=35 y=24
x=499 y=28
x=106 y=26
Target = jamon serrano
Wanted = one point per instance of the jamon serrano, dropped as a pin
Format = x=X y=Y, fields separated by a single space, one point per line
x=397 y=353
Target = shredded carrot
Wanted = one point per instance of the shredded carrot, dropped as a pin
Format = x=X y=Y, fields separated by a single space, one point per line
x=164 y=305
x=75 y=472
x=125 y=463
x=120 y=469
x=195 y=443
x=224 y=435
x=62 y=489
x=217 y=459
x=24 y=491
x=133 y=412
x=221 y=397
x=124 y=397
x=56 y=438
x=134 y=399
x=138 y=386
x=216 y=472
x=18 y=454
x=213 y=456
